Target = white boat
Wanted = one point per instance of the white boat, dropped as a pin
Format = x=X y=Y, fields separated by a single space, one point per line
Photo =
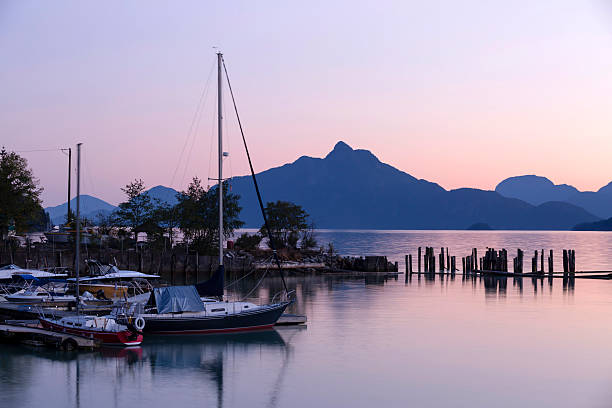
x=100 y=272
x=8 y=272
x=109 y=282
x=38 y=294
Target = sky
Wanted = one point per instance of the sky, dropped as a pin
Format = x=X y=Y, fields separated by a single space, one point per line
x=463 y=93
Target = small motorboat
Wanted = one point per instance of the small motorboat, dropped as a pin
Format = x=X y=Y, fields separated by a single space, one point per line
x=105 y=328
x=107 y=281
x=37 y=294
x=10 y=272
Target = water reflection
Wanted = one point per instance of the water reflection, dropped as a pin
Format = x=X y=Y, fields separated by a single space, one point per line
x=178 y=358
x=209 y=354
x=495 y=285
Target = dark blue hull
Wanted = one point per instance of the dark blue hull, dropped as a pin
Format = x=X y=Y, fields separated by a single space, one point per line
x=251 y=320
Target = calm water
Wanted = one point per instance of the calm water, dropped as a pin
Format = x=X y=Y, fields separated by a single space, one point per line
x=442 y=343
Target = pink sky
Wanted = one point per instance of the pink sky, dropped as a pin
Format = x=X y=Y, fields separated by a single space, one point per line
x=459 y=93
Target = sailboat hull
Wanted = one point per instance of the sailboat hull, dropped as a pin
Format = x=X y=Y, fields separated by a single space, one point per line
x=108 y=338
x=261 y=318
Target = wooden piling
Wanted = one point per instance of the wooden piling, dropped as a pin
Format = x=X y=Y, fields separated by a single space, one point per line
x=551 y=267
x=550 y=263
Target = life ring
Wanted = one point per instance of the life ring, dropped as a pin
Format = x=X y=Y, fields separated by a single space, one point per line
x=139 y=323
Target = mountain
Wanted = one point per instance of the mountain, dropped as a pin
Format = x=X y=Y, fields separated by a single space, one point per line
x=537 y=190
x=353 y=189
x=91 y=207
x=163 y=194
x=603 y=225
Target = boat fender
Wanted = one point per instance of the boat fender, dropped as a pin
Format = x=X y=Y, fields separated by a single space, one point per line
x=69 y=345
x=139 y=323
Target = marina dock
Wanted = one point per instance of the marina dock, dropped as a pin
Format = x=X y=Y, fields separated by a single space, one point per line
x=288 y=319
x=29 y=332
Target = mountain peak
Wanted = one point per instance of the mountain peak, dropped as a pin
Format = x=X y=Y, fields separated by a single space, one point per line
x=534 y=189
x=340 y=148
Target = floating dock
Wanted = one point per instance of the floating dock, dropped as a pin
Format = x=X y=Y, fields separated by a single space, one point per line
x=291 y=320
x=30 y=332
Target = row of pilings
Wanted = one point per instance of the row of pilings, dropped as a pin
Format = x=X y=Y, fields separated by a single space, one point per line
x=491 y=262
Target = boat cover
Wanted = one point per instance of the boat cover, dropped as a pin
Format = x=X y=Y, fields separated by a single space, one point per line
x=177 y=299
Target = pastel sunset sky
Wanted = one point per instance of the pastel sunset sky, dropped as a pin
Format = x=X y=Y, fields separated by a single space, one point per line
x=462 y=93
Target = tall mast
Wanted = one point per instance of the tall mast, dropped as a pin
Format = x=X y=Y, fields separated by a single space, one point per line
x=69 y=171
x=78 y=224
x=220 y=131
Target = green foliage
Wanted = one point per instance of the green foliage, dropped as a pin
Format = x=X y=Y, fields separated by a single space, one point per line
x=248 y=242
x=39 y=222
x=166 y=218
x=20 y=203
x=198 y=216
x=287 y=222
x=138 y=212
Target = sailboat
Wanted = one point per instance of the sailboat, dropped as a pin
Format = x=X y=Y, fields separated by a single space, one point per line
x=197 y=309
x=105 y=328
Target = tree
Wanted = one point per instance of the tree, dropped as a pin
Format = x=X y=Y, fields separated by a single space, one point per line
x=248 y=242
x=308 y=238
x=287 y=222
x=20 y=202
x=198 y=215
x=138 y=212
x=167 y=219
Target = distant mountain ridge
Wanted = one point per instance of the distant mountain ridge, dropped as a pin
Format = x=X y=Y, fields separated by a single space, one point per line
x=92 y=207
x=351 y=188
x=163 y=194
x=603 y=225
x=534 y=189
x=537 y=190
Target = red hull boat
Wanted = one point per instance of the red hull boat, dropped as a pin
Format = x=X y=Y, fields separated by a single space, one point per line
x=109 y=332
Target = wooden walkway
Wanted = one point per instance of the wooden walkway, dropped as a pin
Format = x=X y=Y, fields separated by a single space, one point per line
x=291 y=320
x=28 y=331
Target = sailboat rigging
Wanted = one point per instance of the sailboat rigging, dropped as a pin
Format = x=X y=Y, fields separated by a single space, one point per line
x=193 y=310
